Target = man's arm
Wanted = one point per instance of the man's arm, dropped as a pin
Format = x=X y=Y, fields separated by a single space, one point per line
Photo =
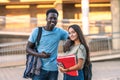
x=30 y=49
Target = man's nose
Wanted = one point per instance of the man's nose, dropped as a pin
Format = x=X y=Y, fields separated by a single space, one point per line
x=52 y=19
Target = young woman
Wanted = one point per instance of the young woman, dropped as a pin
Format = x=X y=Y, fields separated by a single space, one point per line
x=77 y=46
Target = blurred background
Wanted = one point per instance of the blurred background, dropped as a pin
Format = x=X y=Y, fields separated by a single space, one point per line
x=99 y=20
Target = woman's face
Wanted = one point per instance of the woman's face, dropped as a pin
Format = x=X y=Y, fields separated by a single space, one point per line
x=72 y=34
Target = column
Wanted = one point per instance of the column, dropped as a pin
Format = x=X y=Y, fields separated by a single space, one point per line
x=33 y=16
x=2 y=16
x=85 y=15
x=115 y=8
x=58 y=5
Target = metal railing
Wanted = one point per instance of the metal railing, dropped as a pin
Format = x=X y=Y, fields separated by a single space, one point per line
x=12 y=54
x=104 y=47
x=12 y=51
x=100 y=46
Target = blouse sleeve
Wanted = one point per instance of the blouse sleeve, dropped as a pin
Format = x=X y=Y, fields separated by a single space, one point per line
x=81 y=52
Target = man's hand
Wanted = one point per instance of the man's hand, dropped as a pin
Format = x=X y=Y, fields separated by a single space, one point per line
x=44 y=55
x=66 y=46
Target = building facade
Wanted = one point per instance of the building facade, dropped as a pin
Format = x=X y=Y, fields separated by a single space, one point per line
x=23 y=15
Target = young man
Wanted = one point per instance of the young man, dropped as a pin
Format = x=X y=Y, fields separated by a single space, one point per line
x=48 y=47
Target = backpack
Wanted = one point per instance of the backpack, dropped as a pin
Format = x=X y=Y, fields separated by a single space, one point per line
x=87 y=70
x=33 y=63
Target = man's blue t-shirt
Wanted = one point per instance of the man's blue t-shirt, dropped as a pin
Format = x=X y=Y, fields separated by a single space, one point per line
x=49 y=43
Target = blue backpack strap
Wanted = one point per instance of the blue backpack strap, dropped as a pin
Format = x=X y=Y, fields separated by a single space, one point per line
x=39 y=35
x=36 y=44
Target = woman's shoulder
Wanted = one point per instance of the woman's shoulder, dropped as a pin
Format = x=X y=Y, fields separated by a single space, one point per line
x=81 y=46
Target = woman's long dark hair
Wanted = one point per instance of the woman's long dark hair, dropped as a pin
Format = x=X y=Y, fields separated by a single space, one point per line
x=82 y=40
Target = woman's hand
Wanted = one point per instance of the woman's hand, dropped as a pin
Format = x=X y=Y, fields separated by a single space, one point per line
x=62 y=69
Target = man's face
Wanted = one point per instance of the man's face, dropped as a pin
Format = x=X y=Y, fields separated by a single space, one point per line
x=51 y=20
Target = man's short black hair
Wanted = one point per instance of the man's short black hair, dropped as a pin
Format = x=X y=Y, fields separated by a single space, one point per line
x=52 y=10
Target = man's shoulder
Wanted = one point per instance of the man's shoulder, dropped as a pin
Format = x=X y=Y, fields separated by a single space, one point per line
x=35 y=29
x=59 y=29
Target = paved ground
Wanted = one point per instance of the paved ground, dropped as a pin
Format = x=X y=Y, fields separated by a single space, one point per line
x=105 y=70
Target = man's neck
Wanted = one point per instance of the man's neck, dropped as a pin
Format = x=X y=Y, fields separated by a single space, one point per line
x=47 y=28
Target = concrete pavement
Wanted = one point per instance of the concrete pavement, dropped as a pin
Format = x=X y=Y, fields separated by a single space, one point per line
x=105 y=70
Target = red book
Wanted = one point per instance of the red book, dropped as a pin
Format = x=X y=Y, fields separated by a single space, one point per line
x=68 y=61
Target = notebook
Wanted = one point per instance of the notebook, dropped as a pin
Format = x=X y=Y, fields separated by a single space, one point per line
x=68 y=61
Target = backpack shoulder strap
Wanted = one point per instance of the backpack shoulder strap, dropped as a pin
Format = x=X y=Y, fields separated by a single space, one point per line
x=39 y=35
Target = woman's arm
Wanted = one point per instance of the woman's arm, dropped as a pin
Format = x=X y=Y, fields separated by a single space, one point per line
x=78 y=66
